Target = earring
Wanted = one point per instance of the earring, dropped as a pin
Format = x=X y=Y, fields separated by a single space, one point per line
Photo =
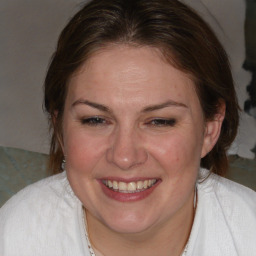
x=63 y=164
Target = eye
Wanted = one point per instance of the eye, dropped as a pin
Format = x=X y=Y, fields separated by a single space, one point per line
x=94 y=121
x=160 y=122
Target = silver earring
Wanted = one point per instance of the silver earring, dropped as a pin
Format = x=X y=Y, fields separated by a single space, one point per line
x=63 y=164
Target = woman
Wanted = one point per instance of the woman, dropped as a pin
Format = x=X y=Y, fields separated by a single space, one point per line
x=140 y=99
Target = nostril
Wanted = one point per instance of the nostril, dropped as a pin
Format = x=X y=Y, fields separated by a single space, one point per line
x=126 y=158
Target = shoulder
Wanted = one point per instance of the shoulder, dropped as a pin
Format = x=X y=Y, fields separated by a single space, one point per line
x=50 y=189
x=228 y=213
x=228 y=193
x=38 y=215
x=44 y=195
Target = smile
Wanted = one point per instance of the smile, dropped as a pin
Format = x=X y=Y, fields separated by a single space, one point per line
x=129 y=187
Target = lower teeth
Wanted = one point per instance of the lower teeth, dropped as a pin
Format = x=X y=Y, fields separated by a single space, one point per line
x=127 y=192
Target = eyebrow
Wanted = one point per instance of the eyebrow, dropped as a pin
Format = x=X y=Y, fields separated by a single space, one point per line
x=92 y=104
x=169 y=103
x=104 y=108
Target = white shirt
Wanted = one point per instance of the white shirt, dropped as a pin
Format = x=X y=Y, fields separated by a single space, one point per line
x=46 y=219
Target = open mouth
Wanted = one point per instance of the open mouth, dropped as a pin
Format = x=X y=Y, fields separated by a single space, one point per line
x=129 y=187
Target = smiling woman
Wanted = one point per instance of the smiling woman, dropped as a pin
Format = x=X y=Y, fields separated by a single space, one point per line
x=140 y=98
x=140 y=121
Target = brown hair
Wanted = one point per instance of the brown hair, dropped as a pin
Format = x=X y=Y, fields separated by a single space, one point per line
x=185 y=40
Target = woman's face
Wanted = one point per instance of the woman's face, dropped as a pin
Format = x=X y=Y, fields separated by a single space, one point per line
x=134 y=134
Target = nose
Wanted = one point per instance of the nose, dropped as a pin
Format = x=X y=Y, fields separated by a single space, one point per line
x=126 y=150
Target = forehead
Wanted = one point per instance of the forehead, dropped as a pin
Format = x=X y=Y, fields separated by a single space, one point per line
x=126 y=72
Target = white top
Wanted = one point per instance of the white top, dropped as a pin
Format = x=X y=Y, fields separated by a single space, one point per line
x=46 y=219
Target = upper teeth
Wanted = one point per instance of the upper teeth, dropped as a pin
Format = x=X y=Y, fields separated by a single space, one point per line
x=130 y=186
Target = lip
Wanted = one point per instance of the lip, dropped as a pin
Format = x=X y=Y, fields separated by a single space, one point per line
x=128 y=197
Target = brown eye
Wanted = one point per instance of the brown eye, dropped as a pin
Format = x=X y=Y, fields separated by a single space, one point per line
x=162 y=122
x=94 y=121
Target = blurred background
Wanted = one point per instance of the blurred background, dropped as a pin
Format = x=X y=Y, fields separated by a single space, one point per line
x=29 y=31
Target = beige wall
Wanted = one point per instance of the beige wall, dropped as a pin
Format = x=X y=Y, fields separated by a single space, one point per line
x=29 y=31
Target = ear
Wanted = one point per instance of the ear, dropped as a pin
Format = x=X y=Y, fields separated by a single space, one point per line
x=212 y=130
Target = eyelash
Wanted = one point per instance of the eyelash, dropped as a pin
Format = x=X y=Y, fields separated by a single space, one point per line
x=159 y=122
x=94 y=121
x=99 y=121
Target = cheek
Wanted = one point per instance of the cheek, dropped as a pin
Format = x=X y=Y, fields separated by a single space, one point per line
x=83 y=151
x=176 y=152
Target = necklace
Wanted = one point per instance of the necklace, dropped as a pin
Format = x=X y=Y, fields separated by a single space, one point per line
x=92 y=253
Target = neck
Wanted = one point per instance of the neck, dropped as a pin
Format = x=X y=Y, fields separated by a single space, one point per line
x=167 y=238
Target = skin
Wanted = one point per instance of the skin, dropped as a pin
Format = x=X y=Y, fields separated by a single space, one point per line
x=130 y=89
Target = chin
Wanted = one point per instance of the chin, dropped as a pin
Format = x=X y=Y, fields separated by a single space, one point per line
x=129 y=227
x=128 y=223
